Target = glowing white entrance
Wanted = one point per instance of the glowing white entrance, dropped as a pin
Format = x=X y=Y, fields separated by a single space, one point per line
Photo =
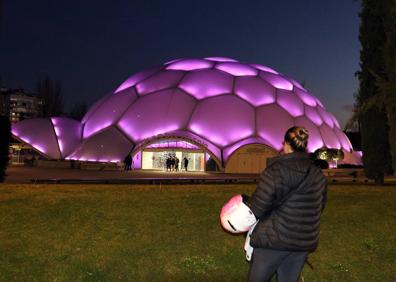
x=155 y=159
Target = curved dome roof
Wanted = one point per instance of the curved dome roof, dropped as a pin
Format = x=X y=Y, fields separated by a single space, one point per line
x=219 y=101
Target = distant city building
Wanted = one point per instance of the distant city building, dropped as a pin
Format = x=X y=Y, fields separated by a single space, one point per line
x=19 y=104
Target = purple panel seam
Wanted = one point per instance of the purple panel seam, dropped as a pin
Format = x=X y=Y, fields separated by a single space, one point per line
x=56 y=137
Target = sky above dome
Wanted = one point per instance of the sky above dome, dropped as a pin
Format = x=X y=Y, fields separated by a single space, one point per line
x=91 y=47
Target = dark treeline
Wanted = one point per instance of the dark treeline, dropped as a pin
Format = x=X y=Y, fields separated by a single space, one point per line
x=53 y=102
x=5 y=136
x=375 y=101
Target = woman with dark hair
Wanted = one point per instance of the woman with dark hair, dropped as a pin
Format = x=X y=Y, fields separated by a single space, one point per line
x=288 y=202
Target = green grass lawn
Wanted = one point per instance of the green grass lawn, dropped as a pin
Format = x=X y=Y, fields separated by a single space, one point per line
x=172 y=233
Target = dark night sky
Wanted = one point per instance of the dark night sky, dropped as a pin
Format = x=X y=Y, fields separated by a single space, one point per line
x=92 y=46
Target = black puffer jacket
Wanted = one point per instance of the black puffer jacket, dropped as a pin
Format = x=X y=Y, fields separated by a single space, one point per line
x=291 y=224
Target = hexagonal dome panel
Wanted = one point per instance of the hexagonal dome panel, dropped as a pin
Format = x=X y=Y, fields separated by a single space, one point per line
x=108 y=113
x=313 y=115
x=254 y=90
x=206 y=83
x=290 y=102
x=159 y=81
x=237 y=69
x=217 y=102
x=272 y=122
x=223 y=120
x=157 y=113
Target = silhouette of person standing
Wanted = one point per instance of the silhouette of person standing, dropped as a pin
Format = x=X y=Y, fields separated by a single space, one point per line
x=177 y=164
x=128 y=162
x=185 y=162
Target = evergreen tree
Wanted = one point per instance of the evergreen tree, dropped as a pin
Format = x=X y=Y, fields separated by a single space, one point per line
x=387 y=83
x=1 y=13
x=51 y=93
x=373 y=119
x=5 y=133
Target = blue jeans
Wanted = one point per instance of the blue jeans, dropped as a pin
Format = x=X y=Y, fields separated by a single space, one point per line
x=265 y=263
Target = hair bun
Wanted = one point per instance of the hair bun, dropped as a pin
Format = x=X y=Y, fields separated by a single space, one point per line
x=297 y=137
x=302 y=134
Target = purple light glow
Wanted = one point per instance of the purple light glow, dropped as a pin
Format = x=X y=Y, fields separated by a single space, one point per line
x=88 y=131
x=254 y=90
x=173 y=144
x=196 y=129
x=205 y=83
x=40 y=134
x=237 y=69
x=196 y=139
x=190 y=64
x=216 y=103
x=109 y=144
x=56 y=131
x=68 y=133
x=159 y=81
x=137 y=160
x=223 y=119
x=264 y=68
x=335 y=121
x=305 y=97
x=318 y=102
x=159 y=131
x=313 y=115
x=173 y=61
x=290 y=102
x=38 y=147
x=346 y=145
x=60 y=145
x=108 y=113
x=157 y=113
x=272 y=123
x=227 y=152
x=276 y=80
x=220 y=59
x=329 y=137
x=296 y=84
x=97 y=104
x=353 y=157
x=131 y=81
x=24 y=139
x=326 y=117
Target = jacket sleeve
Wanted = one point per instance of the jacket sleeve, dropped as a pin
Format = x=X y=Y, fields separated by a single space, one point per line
x=324 y=199
x=262 y=198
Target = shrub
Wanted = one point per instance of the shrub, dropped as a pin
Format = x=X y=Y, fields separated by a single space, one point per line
x=5 y=133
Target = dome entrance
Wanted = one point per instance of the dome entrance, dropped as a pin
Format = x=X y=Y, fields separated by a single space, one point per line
x=173 y=153
x=173 y=160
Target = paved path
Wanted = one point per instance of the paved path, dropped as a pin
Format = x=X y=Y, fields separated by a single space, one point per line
x=22 y=174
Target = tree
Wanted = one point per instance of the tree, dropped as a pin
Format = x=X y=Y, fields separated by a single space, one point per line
x=387 y=83
x=5 y=133
x=373 y=119
x=78 y=111
x=51 y=93
x=1 y=12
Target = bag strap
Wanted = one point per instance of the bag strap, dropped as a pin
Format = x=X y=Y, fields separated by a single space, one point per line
x=293 y=191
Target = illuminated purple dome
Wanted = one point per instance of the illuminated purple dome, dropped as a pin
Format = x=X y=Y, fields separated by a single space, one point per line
x=215 y=103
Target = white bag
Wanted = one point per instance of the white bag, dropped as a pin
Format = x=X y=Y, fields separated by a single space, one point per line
x=248 y=248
